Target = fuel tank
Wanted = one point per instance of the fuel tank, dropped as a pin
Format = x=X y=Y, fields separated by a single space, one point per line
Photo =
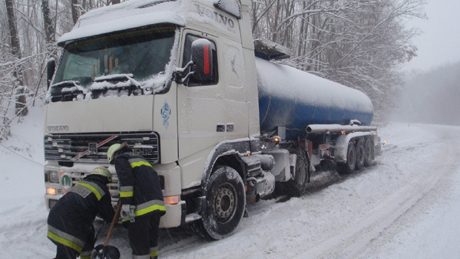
x=293 y=98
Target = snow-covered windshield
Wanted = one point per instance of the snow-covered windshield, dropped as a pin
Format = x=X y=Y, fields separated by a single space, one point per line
x=135 y=60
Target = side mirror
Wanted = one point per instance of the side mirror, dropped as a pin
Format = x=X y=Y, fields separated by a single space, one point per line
x=202 y=57
x=50 y=67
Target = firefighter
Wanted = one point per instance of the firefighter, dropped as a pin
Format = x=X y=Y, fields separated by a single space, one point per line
x=141 y=197
x=70 y=221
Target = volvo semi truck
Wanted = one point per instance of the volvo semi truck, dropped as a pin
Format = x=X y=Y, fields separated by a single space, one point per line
x=184 y=83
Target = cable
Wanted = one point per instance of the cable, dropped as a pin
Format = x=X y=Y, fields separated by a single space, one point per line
x=22 y=156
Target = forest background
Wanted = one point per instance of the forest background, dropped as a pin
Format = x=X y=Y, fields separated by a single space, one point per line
x=359 y=43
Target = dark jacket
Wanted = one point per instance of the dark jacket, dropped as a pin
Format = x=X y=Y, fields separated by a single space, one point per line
x=139 y=183
x=73 y=215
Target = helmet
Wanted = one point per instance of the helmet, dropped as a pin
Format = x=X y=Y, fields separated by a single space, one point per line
x=111 y=152
x=102 y=171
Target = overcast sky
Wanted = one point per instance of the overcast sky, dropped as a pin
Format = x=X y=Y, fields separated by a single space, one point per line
x=440 y=40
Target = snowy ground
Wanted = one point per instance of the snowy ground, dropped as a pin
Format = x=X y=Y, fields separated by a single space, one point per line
x=405 y=206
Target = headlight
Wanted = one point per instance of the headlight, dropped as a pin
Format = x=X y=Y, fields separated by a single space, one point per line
x=53 y=176
x=51 y=191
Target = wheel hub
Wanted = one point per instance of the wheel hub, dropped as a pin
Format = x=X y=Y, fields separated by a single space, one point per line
x=224 y=203
x=351 y=157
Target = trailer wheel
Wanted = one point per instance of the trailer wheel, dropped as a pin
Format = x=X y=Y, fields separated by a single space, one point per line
x=296 y=187
x=360 y=154
x=225 y=203
x=349 y=166
x=368 y=146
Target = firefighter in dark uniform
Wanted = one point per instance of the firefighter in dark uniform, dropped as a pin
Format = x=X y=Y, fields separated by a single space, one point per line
x=141 y=198
x=70 y=221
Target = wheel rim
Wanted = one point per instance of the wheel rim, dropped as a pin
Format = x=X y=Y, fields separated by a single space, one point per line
x=225 y=203
x=360 y=155
x=351 y=158
x=302 y=175
x=367 y=151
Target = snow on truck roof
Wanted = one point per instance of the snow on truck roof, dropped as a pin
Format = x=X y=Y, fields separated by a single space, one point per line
x=126 y=15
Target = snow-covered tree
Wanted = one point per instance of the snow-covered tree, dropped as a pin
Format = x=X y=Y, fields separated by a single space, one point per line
x=28 y=32
x=359 y=43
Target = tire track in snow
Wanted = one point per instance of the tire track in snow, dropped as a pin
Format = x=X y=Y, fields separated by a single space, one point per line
x=432 y=211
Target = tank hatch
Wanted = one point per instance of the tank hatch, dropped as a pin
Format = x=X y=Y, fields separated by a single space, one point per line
x=269 y=50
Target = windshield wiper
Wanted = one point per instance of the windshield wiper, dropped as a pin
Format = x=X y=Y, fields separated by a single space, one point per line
x=114 y=77
x=119 y=82
x=66 y=83
x=66 y=91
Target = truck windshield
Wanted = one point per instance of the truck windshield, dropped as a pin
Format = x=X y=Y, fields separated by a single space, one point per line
x=134 y=60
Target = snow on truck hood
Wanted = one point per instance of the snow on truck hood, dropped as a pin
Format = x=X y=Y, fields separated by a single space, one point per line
x=127 y=15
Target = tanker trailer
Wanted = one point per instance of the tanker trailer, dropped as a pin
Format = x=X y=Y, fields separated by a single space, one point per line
x=332 y=118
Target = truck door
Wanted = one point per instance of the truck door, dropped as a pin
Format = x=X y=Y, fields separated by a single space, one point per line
x=201 y=114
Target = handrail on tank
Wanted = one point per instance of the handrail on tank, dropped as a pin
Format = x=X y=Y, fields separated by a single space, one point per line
x=323 y=128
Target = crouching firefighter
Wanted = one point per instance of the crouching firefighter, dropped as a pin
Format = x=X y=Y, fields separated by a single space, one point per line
x=141 y=197
x=70 y=221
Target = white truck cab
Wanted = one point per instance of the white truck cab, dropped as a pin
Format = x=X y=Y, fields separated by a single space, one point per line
x=126 y=76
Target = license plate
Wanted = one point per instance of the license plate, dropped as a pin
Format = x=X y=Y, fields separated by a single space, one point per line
x=144 y=151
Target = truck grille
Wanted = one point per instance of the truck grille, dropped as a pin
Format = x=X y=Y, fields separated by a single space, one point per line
x=91 y=148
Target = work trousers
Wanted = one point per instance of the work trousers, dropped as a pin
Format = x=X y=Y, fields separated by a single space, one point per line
x=65 y=252
x=143 y=235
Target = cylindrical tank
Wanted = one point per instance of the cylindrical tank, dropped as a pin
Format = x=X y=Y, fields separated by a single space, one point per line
x=293 y=98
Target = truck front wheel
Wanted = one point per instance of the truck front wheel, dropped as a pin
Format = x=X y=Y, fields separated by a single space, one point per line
x=225 y=203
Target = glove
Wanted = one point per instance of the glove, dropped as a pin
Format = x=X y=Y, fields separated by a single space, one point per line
x=127 y=211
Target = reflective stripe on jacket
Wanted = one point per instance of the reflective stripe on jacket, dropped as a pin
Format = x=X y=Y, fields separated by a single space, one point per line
x=94 y=188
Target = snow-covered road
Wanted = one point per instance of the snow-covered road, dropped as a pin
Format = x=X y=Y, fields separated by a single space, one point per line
x=404 y=206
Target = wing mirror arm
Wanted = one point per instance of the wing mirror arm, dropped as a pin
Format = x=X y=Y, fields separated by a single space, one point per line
x=201 y=64
x=179 y=73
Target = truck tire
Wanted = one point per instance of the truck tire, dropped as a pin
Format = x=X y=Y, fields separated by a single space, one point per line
x=360 y=154
x=296 y=187
x=225 y=203
x=349 y=166
x=368 y=146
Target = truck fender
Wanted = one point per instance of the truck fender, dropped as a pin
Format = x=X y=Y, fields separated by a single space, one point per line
x=341 y=146
x=234 y=149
